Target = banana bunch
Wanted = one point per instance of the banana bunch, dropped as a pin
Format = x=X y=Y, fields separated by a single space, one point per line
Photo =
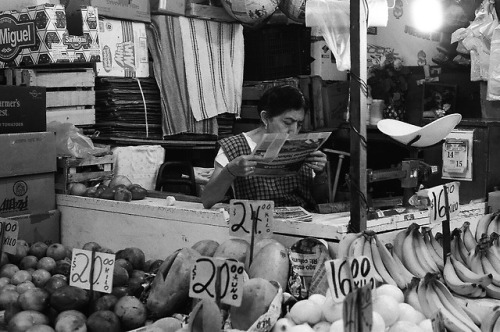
x=488 y=224
x=420 y=252
x=434 y=296
x=491 y=323
x=388 y=267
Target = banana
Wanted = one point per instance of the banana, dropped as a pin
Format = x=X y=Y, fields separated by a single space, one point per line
x=468 y=238
x=456 y=284
x=423 y=254
x=475 y=262
x=454 y=250
x=482 y=225
x=466 y=275
x=408 y=275
x=410 y=259
x=411 y=296
x=389 y=263
x=490 y=323
x=435 y=244
x=434 y=255
x=472 y=315
x=462 y=250
x=345 y=243
x=493 y=258
x=493 y=291
x=367 y=251
x=356 y=247
x=423 y=300
x=452 y=305
x=488 y=268
x=439 y=238
x=398 y=243
x=379 y=264
x=493 y=226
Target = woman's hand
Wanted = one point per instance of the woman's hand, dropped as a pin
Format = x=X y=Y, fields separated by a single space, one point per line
x=317 y=161
x=242 y=165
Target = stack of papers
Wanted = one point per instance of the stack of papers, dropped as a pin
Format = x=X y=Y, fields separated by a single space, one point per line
x=292 y=213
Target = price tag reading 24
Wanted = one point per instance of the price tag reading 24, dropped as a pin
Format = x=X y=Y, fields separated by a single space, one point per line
x=245 y=214
x=345 y=275
x=102 y=266
x=208 y=272
x=437 y=208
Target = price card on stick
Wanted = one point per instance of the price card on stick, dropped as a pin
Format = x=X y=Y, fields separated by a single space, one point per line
x=345 y=275
x=9 y=232
x=437 y=201
x=358 y=311
x=218 y=279
x=245 y=215
x=92 y=270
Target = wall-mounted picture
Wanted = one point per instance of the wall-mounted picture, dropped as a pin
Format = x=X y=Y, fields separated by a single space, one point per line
x=439 y=99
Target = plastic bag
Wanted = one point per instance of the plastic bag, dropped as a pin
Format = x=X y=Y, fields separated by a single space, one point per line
x=71 y=142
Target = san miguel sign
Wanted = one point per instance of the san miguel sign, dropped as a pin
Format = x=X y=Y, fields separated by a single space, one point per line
x=14 y=36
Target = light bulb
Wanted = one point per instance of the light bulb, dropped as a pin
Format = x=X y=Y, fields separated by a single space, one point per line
x=427 y=15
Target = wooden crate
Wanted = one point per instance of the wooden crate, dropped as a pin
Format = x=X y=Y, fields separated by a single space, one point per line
x=70 y=91
x=72 y=170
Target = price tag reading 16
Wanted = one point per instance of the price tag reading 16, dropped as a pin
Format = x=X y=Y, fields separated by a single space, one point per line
x=208 y=273
x=437 y=209
x=102 y=265
x=345 y=275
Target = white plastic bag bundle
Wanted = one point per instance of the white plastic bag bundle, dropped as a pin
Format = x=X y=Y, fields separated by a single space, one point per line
x=493 y=92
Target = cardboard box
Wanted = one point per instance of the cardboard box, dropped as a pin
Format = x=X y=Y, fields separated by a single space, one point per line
x=133 y=10
x=168 y=7
x=41 y=36
x=124 y=49
x=27 y=194
x=44 y=227
x=27 y=153
x=22 y=4
x=22 y=109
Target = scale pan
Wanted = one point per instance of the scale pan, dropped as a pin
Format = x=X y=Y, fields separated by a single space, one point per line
x=430 y=134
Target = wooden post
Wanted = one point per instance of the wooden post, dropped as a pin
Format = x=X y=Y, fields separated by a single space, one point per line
x=357 y=117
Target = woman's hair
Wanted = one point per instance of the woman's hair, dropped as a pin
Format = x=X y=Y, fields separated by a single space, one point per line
x=281 y=98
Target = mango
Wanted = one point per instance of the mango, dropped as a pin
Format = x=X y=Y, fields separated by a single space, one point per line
x=235 y=248
x=206 y=247
x=271 y=263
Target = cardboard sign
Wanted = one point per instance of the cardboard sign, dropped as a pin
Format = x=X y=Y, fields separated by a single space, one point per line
x=85 y=262
x=208 y=273
x=245 y=215
x=357 y=313
x=345 y=275
x=9 y=231
x=437 y=206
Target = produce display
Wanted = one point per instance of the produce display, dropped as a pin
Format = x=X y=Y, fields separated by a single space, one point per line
x=119 y=188
x=413 y=284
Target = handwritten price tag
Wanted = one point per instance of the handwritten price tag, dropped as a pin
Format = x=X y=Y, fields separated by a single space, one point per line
x=245 y=214
x=10 y=229
x=437 y=206
x=102 y=265
x=345 y=275
x=358 y=311
x=208 y=272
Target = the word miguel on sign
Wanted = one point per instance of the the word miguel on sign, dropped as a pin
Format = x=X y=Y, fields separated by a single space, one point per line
x=245 y=215
x=437 y=201
x=218 y=279
x=346 y=275
x=92 y=270
x=14 y=36
x=9 y=232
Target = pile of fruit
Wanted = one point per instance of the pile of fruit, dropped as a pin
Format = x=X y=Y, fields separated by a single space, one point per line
x=119 y=188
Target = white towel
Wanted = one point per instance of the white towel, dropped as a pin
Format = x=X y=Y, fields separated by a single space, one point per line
x=213 y=60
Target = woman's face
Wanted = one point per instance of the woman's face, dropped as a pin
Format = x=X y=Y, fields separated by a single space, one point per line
x=289 y=122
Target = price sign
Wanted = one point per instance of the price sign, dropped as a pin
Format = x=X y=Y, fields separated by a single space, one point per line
x=358 y=311
x=345 y=275
x=209 y=272
x=455 y=156
x=102 y=266
x=9 y=231
x=437 y=322
x=437 y=206
x=245 y=215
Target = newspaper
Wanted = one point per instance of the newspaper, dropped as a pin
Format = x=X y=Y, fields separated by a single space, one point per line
x=284 y=154
x=292 y=213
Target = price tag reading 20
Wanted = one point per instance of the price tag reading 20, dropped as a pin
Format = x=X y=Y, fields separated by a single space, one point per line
x=208 y=272
x=245 y=214
x=345 y=275
x=102 y=266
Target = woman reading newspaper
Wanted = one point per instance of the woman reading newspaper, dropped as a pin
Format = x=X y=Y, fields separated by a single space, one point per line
x=282 y=110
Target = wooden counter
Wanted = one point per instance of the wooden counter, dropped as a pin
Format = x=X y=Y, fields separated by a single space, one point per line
x=159 y=229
